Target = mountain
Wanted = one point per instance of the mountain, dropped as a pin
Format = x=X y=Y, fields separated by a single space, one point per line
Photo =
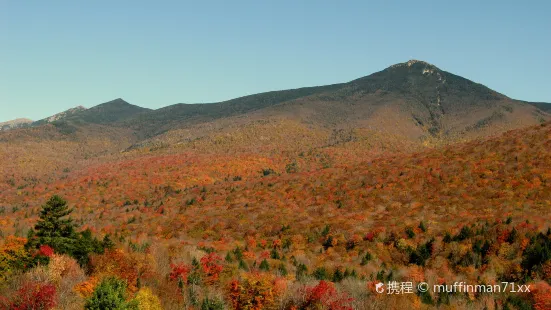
x=59 y=116
x=544 y=106
x=414 y=100
x=350 y=183
x=109 y=112
x=16 y=123
x=181 y=114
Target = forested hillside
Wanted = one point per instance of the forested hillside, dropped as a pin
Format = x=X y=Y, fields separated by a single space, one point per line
x=291 y=229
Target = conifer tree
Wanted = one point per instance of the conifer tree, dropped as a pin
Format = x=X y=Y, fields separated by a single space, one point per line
x=54 y=228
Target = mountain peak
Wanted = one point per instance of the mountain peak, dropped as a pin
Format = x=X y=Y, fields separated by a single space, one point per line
x=118 y=101
x=414 y=63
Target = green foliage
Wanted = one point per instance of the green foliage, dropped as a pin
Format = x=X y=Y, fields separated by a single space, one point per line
x=465 y=233
x=243 y=265
x=425 y=297
x=268 y=171
x=321 y=273
x=366 y=258
x=53 y=228
x=326 y=230
x=301 y=271
x=421 y=254
x=86 y=244
x=517 y=302
x=537 y=253
x=212 y=304
x=512 y=236
x=228 y=258
x=338 y=275
x=283 y=270
x=58 y=232
x=292 y=167
x=422 y=226
x=410 y=233
x=274 y=254
x=107 y=242
x=110 y=294
x=238 y=253
x=447 y=238
x=264 y=265
x=328 y=243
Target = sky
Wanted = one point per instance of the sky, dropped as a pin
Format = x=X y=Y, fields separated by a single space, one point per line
x=55 y=55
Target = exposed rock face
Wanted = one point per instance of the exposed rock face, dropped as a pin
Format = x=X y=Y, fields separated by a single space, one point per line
x=65 y=114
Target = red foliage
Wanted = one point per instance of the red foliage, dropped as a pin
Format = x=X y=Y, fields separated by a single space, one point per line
x=503 y=236
x=211 y=266
x=179 y=272
x=369 y=236
x=45 y=250
x=542 y=296
x=326 y=295
x=34 y=296
x=264 y=254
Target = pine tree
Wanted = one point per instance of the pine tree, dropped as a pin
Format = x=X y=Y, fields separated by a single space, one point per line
x=264 y=265
x=57 y=230
x=53 y=228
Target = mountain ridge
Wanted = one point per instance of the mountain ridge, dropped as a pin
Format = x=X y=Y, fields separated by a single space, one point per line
x=423 y=101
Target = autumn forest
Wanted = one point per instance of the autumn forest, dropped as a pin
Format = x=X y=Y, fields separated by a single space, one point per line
x=295 y=200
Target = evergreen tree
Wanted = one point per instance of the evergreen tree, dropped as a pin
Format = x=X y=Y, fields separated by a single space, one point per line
x=53 y=228
x=301 y=271
x=57 y=230
x=264 y=265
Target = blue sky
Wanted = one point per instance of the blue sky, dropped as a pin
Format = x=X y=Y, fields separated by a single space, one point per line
x=55 y=55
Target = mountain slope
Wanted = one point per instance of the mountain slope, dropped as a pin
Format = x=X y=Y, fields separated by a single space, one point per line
x=16 y=123
x=60 y=116
x=178 y=115
x=544 y=106
x=414 y=99
x=109 y=112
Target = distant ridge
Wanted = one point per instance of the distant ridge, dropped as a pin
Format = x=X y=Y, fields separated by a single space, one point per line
x=414 y=99
x=16 y=123
x=60 y=116
x=109 y=112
